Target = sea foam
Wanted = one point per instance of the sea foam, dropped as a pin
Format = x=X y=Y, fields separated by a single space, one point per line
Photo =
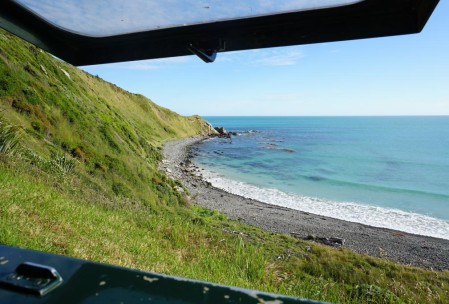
x=353 y=212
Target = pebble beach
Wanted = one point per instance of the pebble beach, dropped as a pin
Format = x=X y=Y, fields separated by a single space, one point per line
x=408 y=249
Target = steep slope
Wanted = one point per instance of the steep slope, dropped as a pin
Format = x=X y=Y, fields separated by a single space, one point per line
x=110 y=136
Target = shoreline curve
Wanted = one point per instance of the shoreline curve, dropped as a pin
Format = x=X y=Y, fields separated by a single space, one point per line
x=401 y=247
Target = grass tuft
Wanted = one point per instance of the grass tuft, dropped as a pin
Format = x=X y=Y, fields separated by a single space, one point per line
x=10 y=137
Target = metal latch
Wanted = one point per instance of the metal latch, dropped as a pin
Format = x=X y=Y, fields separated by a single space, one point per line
x=32 y=278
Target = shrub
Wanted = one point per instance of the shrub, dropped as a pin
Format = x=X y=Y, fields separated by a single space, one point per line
x=60 y=163
x=120 y=189
x=9 y=138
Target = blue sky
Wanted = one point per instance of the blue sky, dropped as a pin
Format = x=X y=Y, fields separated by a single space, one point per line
x=404 y=75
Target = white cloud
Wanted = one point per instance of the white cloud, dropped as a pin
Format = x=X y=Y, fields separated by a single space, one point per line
x=280 y=57
x=148 y=65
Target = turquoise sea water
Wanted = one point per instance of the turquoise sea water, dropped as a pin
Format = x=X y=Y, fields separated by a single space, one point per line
x=383 y=171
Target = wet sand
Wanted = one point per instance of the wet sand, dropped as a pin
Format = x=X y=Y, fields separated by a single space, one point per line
x=402 y=247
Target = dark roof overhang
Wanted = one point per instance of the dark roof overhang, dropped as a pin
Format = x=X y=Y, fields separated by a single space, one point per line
x=366 y=19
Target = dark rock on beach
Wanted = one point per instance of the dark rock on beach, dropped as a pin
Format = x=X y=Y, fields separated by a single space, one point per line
x=329 y=241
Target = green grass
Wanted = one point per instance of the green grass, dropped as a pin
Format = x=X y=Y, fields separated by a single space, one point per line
x=42 y=212
x=114 y=136
x=83 y=181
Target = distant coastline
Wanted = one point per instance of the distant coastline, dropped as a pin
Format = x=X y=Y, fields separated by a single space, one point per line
x=404 y=248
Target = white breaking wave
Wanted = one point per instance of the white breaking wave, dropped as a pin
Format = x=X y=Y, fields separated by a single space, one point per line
x=365 y=214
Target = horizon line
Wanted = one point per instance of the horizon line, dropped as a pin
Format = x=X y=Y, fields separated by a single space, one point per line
x=374 y=115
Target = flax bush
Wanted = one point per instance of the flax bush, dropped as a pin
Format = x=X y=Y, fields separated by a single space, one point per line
x=10 y=137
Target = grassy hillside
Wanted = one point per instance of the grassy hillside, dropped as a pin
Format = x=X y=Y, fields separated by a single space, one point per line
x=111 y=136
x=78 y=176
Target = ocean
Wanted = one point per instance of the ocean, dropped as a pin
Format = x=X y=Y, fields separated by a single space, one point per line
x=390 y=172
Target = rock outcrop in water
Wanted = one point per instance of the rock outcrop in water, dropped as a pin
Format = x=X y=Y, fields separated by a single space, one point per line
x=222 y=132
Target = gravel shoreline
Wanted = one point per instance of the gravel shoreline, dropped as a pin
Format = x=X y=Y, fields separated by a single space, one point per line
x=409 y=249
